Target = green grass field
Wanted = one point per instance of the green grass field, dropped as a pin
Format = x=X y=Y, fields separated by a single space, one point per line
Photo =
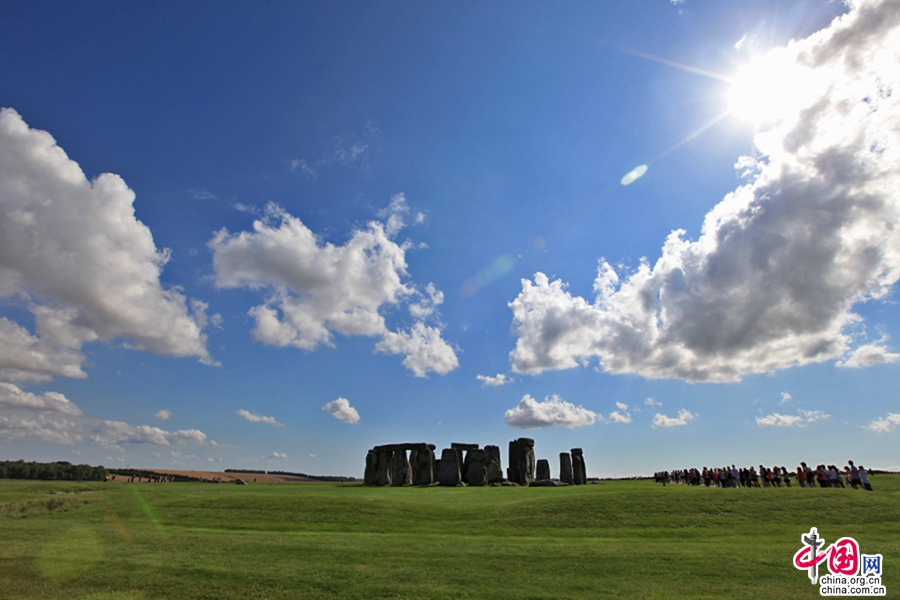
x=630 y=539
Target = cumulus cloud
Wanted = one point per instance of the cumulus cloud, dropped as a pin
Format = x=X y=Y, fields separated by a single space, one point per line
x=497 y=380
x=51 y=417
x=87 y=267
x=552 y=412
x=315 y=289
x=340 y=409
x=868 y=355
x=802 y=418
x=46 y=427
x=13 y=397
x=684 y=415
x=255 y=418
x=28 y=358
x=652 y=402
x=424 y=348
x=621 y=415
x=114 y=433
x=884 y=424
x=785 y=397
x=164 y=415
x=781 y=261
x=278 y=456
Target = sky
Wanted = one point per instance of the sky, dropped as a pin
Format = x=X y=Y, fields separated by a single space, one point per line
x=272 y=236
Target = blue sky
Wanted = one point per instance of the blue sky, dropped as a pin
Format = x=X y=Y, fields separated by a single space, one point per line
x=237 y=235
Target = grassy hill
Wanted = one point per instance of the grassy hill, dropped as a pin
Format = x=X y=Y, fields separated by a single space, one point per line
x=631 y=539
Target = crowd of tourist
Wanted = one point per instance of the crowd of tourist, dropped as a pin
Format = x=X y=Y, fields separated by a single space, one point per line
x=822 y=476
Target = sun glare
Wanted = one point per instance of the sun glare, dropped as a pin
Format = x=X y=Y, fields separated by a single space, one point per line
x=769 y=89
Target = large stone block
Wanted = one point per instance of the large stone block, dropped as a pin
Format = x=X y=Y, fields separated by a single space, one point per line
x=494 y=467
x=450 y=473
x=422 y=461
x=578 y=468
x=521 y=461
x=371 y=476
x=476 y=468
x=401 y=472
x=385 y=456
x=543 y=470
x=566 y=475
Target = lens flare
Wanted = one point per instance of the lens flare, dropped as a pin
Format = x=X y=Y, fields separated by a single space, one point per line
x=633 y=175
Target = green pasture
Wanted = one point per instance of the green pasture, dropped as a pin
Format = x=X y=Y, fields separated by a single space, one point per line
x=629 y=539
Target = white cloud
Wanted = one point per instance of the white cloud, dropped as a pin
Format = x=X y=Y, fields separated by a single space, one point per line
x=424 y=348
x=497 y=380
x=316 y=289
x=112 y=434
x=619 y=417
x=785 y=397
x=88 y=268
x=552 y=412
x=164 y=415
x=53 y=418
x=342 y=410
x=27 y=358
x=255 y=418
x=684 y=416
x=652 y=402
x=428 y=304
x=779 y=420
x=47 y=427
x=11 y=397
x=278 y=456
x=884 y=424
x=802 y=418
x=780 y=262
x=868 y=355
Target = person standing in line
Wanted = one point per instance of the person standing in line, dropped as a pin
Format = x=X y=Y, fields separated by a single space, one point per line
x=864 y=478
x=854 y=475
x=801 y=477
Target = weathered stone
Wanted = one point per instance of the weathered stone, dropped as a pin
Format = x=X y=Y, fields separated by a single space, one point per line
x=371 y=476
x=521 y=461
x=565 y=468
x=461 y=451
x=543 y=483
x=449 y=474
x=543 y=470
x=401 y=472
x=384 y=466
x=475 y=468
x=494 y=467
x=436 y=471
x=578 y=468
x=422 y=462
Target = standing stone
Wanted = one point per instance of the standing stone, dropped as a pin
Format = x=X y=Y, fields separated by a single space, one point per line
x=521 y=461
x=385 y=454
x=494 y=468
x=371 y=476
x=476 y=468
x=401 y=473
x=462 y=450
x=543 y=470
x=566 y=474
x=422 y=461
x=449 y=475
x=436 y=471
x=579 y=471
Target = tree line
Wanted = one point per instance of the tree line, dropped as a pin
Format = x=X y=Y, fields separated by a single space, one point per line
x=60 y=470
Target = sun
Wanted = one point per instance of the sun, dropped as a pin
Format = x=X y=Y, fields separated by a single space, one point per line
x=769 y=89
